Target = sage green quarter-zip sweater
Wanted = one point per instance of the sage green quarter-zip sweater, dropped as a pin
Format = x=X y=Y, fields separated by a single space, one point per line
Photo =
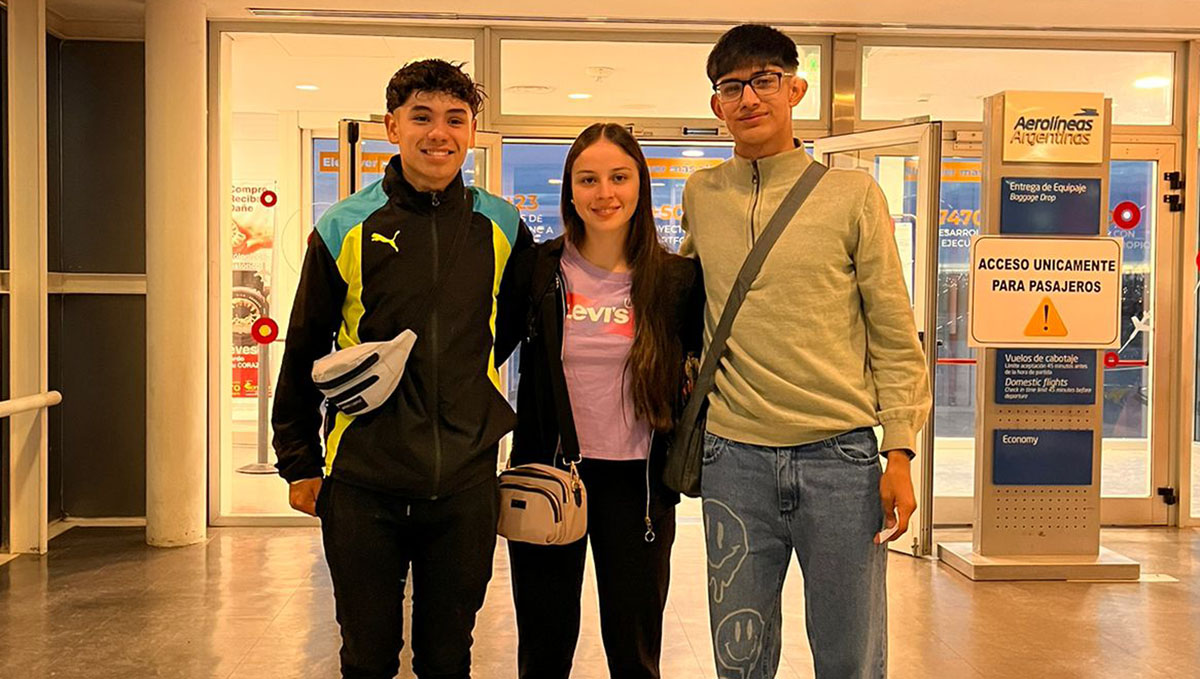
x=825 y=341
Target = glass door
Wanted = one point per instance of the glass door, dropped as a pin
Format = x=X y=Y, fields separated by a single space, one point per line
x=1135 y=456
x=903 y=160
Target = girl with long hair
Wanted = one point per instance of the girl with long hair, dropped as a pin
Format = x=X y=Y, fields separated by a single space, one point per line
x=606 y=316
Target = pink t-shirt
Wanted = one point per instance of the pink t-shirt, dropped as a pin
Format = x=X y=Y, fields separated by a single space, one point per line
x=597 y=336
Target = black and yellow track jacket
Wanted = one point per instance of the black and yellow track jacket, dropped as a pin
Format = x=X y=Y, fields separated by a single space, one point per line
x=372 y=260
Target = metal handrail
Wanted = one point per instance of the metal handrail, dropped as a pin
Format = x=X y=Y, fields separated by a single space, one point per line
x=26 y=403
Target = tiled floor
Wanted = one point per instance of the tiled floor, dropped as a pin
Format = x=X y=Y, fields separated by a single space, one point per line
x=254 y=603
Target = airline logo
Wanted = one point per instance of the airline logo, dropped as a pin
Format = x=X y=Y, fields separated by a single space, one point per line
x=1053 y=127
x=611 y=318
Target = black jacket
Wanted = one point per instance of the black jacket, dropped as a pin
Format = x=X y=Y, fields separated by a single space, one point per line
x=371 y=262
x=533 y=307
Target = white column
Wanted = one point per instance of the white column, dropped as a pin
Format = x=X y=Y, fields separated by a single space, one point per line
x=176 y=272
x=27 y=258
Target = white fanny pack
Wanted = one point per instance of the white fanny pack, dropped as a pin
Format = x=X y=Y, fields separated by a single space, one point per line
x=359 y=379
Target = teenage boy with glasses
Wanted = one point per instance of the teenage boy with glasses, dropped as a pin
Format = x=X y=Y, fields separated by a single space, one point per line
x=823 y=349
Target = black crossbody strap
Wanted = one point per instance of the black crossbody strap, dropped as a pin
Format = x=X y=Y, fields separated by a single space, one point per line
x=568 y=438
x=750 y=267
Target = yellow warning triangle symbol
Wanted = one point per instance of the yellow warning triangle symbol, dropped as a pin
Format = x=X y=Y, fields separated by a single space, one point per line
x=1045 y=321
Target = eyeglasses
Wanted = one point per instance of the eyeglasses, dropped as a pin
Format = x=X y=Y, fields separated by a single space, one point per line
x=764 y=83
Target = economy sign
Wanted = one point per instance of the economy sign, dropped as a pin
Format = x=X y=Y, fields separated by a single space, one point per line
x=1053 y=127
x=1035 y=292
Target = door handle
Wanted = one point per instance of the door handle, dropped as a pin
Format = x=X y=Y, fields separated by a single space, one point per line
x=921 y=339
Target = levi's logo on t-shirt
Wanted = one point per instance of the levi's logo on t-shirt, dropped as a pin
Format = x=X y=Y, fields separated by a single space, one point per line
x=616 y=319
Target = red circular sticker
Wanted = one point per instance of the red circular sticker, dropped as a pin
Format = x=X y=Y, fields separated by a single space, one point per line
x=269 y=198
x=1198 y=260
x=1127 y=215
x=1111 y=359
x=264 y=330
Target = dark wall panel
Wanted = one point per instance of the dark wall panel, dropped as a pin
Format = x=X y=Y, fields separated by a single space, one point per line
x=4 y=345
x=54 y=419
x=4 y=494
x=96 y=152
x=3 y=140
x=102 y=354
x=53 y=153
x=103 y=157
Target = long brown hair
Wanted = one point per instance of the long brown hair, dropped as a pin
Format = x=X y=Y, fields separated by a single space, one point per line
x=656 y=355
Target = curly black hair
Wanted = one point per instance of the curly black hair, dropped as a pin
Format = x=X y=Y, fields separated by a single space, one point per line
x=433 y=75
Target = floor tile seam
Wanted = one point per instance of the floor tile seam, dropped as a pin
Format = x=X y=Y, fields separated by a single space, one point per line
x=961 y=656
x=986 y=672
x=1114 y=640
x=687 y=637
x=250 y=649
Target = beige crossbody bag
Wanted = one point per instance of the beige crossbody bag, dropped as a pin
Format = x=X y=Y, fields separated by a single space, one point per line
x=540 y=503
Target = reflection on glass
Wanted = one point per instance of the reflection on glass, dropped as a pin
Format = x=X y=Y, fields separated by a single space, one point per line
x=606 y=79
x=1126 y=455
x=950 y=83
x=954 y=375
x=324 y=176
x=1196 y=423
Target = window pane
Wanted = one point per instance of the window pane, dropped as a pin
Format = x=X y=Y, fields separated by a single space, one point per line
x=622 y=79
x=950 y=83
x=1127 y=405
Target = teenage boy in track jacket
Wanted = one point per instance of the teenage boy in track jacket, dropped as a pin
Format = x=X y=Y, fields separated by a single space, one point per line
x=413 y=482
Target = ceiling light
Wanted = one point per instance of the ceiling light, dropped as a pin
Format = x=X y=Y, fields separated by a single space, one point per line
x=529 y=89
x=1153 y=82
x=599 y=73
x=693 y=153
x=579 y=95
x=554 y=181
x=657 y=184
x=308 y=88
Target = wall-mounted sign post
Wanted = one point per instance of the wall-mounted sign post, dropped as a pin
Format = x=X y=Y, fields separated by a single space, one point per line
x=1045 y=298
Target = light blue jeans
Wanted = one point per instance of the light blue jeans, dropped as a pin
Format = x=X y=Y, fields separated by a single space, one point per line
x=820 y=500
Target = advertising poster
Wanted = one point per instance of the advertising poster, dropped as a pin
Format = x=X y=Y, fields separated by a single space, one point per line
x=253 y=239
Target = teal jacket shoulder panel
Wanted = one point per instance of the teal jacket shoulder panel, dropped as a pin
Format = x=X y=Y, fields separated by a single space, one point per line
x=500 y=211
x=349 y=213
